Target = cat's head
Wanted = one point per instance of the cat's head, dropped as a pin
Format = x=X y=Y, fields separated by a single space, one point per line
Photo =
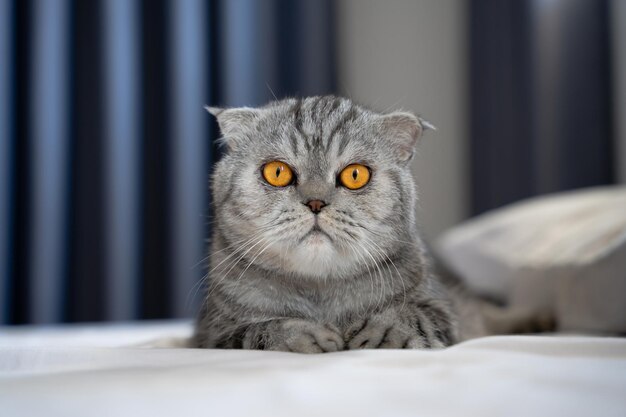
x=317 y=187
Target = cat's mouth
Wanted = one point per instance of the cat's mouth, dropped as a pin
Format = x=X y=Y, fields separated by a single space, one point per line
x=315 y=230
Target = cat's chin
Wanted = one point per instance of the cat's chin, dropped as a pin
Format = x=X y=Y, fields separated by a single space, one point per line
x=315 y=256
x=315 y=239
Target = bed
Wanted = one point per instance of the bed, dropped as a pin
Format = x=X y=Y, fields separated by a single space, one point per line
x=137 y=369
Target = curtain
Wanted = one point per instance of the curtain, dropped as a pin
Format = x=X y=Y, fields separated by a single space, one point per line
x=106 y=151
x=540 y=83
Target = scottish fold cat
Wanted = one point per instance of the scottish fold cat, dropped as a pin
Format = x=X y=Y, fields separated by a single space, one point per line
x=315 y=246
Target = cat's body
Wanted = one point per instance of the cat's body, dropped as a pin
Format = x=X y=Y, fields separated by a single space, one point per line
x=244 y=312
x=314 y=265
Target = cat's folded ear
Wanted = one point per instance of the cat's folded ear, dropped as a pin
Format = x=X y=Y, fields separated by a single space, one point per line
x=235 y=123
x=403 y=130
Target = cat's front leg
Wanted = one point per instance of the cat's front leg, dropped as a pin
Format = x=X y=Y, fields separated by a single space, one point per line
x=294 y=335
x=414 y=326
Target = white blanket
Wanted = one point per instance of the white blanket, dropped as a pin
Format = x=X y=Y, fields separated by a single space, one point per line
x=111 y=370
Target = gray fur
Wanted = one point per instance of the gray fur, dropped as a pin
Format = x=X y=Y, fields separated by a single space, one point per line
x=363 y=282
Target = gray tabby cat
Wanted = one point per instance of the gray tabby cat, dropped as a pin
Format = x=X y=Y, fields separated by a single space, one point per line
x=315 y=246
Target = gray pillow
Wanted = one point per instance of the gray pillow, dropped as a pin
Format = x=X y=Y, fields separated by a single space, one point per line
x=564 y=252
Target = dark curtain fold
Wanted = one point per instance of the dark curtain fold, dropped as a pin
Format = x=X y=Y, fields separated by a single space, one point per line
x=6 y=161
x=274 y=48
x=105 y=149
x=540 y=98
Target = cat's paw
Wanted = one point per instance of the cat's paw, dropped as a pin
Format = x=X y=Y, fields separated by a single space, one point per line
x=389 y=330
x=374 y=333
x=307 y=337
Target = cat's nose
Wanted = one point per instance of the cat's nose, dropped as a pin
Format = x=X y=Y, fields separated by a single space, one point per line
x=315 y=205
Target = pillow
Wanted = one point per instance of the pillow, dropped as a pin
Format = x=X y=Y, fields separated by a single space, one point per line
x=564 y=252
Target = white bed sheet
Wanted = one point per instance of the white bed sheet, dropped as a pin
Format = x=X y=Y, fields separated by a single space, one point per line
x=114 y=370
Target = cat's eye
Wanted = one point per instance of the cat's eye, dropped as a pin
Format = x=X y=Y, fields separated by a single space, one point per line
x=354 y=176
x=278 y=174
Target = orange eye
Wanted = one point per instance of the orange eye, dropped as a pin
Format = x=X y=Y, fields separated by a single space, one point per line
x=354 y=176
x=277 y=173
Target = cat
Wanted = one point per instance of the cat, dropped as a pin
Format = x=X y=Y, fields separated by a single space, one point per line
x=315 y=246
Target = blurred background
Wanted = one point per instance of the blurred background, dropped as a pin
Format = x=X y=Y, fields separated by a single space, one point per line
x=106 y=151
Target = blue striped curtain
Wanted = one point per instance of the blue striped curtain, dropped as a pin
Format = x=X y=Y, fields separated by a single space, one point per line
x=105 y=149
x=540 y=99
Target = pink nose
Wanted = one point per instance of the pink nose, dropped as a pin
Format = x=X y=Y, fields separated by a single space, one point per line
x=315 y=205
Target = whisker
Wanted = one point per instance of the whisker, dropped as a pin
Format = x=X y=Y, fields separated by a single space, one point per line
x=231 y=265
x=380 y=275
x=400 y=277
x=254 y=259
x=270 y=224
x=368 y=271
